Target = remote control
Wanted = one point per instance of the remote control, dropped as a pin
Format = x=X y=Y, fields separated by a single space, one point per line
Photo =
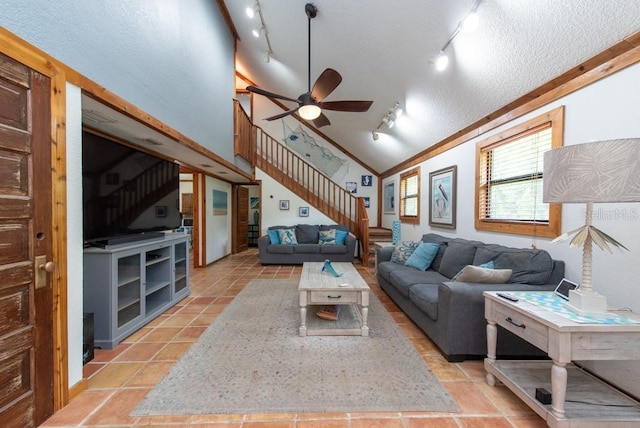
x=508 y=297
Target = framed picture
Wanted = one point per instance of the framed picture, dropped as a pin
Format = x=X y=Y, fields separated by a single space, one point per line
x=284 y=204
x=367 y=201
x=161 y=211
x=254 y=202
x=367 y=181
x=219 y=202
x=442 y=200
x=352 y=186
x=303 y=211
x=388 y=196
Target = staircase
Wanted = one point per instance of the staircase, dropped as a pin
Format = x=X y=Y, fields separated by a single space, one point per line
x=303 y=179
x=377 y=234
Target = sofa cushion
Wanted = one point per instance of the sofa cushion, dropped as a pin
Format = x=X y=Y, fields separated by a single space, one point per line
x=306 y=249
x=483 y=275
x=327 y=237
x=459 y=253
x=403 y=251
x=307 y=233
x=425 y=297
x=404 y=279
x=333 y=249
x=436 y=239
x=423 y=256
x=280 y=249
x=529 y=266
x=287 y=236
x=385 y=269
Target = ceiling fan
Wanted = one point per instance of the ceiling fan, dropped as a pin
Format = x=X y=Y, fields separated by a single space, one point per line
x=311 y=104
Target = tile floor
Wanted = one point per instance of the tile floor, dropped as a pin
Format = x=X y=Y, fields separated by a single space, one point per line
x=119 y=378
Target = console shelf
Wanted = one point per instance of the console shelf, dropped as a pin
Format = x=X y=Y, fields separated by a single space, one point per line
x=128 y=285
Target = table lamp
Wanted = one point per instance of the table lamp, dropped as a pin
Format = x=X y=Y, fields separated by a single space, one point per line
x=599 y=172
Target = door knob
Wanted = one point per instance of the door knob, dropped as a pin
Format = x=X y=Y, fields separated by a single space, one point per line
x=42 y=267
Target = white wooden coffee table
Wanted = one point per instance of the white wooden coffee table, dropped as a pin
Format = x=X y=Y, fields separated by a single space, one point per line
x=322 y=288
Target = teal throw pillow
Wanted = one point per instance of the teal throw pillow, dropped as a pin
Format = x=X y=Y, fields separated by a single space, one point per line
x=273 y=236
x=403 y=251
x=287 y=236
x=327 y=237
x=341 y=236
x=488 y=265
x=423 y=256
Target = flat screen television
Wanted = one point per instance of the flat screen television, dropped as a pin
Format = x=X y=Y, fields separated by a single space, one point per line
x=128 y=195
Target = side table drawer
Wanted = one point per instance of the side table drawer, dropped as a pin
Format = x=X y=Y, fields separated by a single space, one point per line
x=331 y=297
x=530 y=330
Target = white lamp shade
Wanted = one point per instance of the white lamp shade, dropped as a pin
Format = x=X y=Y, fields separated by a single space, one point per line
x=309 y=111
x=604 y=171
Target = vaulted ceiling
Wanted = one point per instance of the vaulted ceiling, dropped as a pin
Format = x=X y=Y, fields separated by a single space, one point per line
x=385 y=51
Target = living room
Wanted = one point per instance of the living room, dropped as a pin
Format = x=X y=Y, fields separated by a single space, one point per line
x=600 y=110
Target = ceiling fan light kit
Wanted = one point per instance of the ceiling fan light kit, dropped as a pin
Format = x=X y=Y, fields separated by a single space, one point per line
x=311 y=104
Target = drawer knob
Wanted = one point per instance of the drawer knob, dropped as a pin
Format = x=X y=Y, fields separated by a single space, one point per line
x=511 y=321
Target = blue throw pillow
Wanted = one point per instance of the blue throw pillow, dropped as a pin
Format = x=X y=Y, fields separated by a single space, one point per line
x=273 y=236
x=488 y=265
x=423 y=256
x=341 y=236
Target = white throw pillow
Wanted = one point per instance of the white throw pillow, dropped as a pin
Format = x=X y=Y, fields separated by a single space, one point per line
x=479 y=274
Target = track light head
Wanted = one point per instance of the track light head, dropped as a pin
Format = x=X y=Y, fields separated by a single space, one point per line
x=442 y=61
x=252 y=11
x=257 y=31
x=267 y=56
x=375 y=135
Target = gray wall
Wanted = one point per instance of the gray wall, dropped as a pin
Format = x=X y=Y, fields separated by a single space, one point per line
x=173 y=59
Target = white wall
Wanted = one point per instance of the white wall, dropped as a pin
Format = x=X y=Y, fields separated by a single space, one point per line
x=603 y=110
x=218 y=226
x=74 y=233
x=351 y=172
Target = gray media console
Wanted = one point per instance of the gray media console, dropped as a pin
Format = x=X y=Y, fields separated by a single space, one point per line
x=128 y=285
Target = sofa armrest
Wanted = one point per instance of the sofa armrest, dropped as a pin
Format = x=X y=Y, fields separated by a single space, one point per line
x=350 y=241
x=263 y=243
x=384 y=254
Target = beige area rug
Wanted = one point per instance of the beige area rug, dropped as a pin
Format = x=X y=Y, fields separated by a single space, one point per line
x=251 y=360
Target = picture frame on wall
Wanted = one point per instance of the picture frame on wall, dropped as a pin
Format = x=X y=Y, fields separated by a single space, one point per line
x=161 y=211
x=442 y=197
x=303 y=211
x=352 y=187
x=367 y=202
x=367 y=181
x=284 y=204
x=388 y=196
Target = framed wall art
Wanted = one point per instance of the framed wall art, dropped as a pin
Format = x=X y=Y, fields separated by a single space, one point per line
x=284 y=204
x=442 y=197
x=303 y=211
x=352 y=186
x=388 y=196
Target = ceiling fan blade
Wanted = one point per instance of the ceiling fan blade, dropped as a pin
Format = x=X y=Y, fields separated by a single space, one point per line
x=354 y=106
x=286 y=113
x=321 y=121
x=325 y=84
x=260 y=91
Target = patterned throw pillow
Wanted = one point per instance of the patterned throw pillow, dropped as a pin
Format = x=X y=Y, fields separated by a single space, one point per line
x=403 y=251
x=287 y=236
x=327 y=237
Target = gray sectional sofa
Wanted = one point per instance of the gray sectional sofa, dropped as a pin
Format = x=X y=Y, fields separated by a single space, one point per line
x=450 y=312
x=308 y=247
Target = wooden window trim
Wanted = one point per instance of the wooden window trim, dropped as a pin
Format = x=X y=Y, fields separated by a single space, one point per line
x=529 y=228
x=403 y=177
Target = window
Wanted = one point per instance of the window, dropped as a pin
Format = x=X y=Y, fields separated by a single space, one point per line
x=509 y=178
x=410 y=196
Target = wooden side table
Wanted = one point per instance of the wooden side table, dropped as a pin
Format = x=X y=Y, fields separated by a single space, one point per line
x=591 y=402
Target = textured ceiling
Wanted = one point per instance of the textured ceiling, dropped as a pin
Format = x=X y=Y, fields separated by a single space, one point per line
x=385 y=50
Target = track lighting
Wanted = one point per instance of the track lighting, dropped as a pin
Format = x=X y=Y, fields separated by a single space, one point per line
x=388 y=120
x=468 y=23
x=252 y=12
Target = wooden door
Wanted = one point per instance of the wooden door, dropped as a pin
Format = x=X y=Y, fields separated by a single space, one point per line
x=26 y=301
x=242 y=210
